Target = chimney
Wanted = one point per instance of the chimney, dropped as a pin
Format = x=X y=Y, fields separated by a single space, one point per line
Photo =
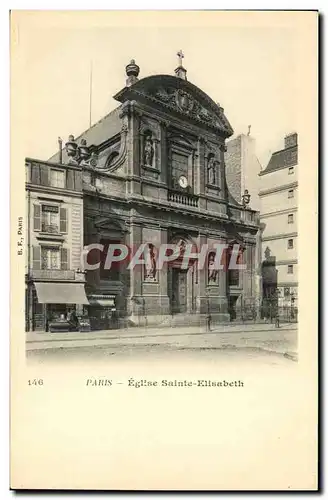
x=291 y=140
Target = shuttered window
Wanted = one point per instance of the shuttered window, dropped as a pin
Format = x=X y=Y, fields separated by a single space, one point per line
x=37 y=217
x=57 y=178
x=64 y=258
x=44 y=172
x=50 y=258
x=63 y=220
x=36 y=257
x=35 y=173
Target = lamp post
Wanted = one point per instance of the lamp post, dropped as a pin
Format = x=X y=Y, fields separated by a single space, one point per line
x=208 y=311
x=292 y=302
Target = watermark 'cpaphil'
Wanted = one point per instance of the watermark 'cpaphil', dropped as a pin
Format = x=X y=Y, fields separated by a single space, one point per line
x=226 y=258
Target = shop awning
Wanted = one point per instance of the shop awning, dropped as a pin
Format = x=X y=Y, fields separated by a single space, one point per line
x=61 y=293
x=102 y=300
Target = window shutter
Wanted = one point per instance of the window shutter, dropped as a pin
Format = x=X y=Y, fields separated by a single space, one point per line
x=36 y=257
x=70 y=179
x=63 y=220
x=64 y=257
x=37 y=217
x=35 y=173
x=44 y=171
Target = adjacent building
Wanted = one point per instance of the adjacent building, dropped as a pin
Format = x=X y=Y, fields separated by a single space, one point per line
x=151 y=172
x=278 y=195
x=243 y=168
x=54 y=210
x=242 y=173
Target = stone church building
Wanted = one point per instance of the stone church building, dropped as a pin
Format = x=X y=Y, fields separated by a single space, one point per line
x=154 y=172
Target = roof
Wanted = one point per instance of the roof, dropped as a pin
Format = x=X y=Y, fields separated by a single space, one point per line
x=179 y=96
x=100 y=132
x=282 y=159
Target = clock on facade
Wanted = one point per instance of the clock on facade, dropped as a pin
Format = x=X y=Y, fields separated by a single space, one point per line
x=183 y=181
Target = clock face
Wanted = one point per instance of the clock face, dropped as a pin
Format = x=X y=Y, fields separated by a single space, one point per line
x=183 y=181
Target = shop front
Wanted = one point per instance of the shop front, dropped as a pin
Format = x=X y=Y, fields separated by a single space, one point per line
x=50 y=302
x=102 y=312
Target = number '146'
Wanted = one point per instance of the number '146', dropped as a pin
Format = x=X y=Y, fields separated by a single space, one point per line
x=35 y=381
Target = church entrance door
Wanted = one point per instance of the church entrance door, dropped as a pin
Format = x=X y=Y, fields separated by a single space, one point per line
x=179 y=291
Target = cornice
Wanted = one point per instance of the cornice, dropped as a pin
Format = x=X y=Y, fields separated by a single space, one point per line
x=283 y=187
x=52 y=190
x=279 y=212
x=279 y=236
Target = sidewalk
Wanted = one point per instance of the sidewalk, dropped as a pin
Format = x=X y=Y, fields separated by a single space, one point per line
x=259 y=336
x=136 y=332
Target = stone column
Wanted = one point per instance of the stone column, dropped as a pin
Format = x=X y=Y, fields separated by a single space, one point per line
x=163 y=279
x=163 y=160
x=218 y=293
x=201 y=172
x=131 y=119
x=136 y=306
x=30 y=307
x=202 y=301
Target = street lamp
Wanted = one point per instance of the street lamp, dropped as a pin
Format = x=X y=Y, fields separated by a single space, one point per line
x=292 y=302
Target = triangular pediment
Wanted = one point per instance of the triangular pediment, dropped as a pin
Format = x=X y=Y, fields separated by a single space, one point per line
x=179 y=96
x=108 y=225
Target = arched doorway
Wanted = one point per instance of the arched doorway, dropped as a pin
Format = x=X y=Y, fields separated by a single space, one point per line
x=181 y=281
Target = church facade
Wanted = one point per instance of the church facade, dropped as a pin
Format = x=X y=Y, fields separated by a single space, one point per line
x=154 y=174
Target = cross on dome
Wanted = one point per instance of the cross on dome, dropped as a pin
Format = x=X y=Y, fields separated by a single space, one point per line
x=180 y=55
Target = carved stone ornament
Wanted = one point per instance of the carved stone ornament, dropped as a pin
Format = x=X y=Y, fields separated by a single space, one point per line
x=72 y=151
x=93 y=161
x=184 y=101
x=80 y=154
x=84 y=152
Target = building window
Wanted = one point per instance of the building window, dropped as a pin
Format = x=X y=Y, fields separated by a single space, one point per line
x=290 y=244
x=50 y=258
x=286 y=292
x=290 y=269
x=179 y=167
x=291 y=193
x=290 y=219
x=50 y=219
x=233 y=277
x=290 y=170
x=57 y=178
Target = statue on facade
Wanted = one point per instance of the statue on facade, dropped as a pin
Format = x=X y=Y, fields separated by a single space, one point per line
x=211 y=171
x=212 y=271
x=150 y=262
x=148 y=155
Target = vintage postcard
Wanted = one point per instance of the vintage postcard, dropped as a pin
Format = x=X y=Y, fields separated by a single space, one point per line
x=164 y=170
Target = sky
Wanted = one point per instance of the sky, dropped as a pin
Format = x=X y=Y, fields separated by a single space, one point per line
x=246 y=62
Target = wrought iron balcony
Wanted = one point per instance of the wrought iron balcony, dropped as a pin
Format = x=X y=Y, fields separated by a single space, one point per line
x=183 y=198
x=50 y=228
